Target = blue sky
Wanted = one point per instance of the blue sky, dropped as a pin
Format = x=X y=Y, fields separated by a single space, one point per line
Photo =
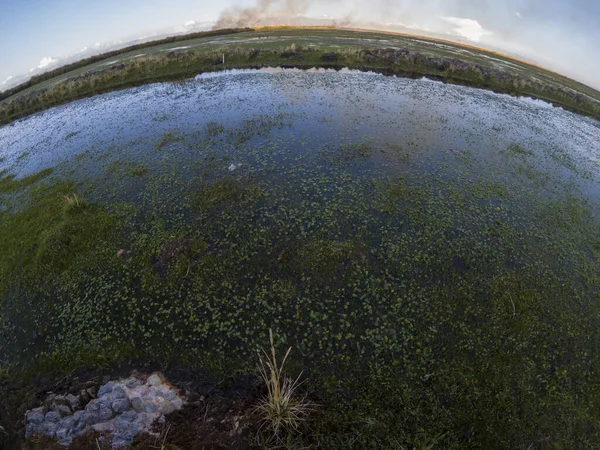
x=563 y=35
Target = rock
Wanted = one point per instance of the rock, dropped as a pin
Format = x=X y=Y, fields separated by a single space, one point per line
x=105 y=389
x=52 y=417
x=118 y=393
x=150 y=407
x=63 y=410
x=32 y=428
x=154 y=380
x=105 y=410
x=104 y=427
x=73 y=401
x=78 y=416
x=129 y=416
x=62 y=434
x=67 y=422
x=137 y=403
x=121 y=405
x=35 y=416
x=97 y=411
x=161 y=420
x=48 y=428
x=133 y=383
x=50 y=399
x=91 y=392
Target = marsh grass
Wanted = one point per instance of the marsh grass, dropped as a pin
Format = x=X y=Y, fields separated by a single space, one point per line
x=74 y=202
x=283 y=410
x=9 y=184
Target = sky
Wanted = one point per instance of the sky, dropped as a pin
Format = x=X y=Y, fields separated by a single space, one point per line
x=562 y=35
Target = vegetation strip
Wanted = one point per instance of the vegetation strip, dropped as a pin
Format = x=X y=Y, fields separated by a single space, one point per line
x=182 y=64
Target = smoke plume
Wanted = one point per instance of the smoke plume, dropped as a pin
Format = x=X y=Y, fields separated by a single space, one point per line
x=266 y=12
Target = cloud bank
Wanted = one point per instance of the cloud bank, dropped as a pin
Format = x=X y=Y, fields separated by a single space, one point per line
x=47 y=61
x=468 y=28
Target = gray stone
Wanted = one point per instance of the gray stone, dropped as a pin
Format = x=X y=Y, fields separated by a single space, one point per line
x=52 y=417
x=120 y=405
x=67 y=423
x=168 y=408
x=149 y=407
x=118 y=393
x=49 y=399
x=161 y=419
x=105 y=389
x=97 y=411
x=103 y=427
x=122 y=424
x=137 y=403
x=133 y=383
x=129 y=416
x=154 y=380
x=78 y=416
x=35 y=416
x=63 y=410
x=80 y=427
x=73 y=401
x=48 y=428
x=32 y=428
x=62 y=434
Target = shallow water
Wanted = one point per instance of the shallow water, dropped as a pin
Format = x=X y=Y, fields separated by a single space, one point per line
x=356 y=214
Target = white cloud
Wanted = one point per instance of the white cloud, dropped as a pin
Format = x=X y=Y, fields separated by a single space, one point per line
x=185 y=27
x=7 y=80
x=518 y=15
x=467 y=28
x=46 y=61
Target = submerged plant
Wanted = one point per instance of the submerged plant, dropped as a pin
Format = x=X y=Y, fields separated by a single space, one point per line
x=282 y=410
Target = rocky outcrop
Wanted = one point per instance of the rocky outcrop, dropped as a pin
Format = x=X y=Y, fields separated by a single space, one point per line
x=119 y=409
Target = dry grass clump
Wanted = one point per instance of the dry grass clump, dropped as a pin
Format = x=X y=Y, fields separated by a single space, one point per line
x=74 y=202
x=282 y=410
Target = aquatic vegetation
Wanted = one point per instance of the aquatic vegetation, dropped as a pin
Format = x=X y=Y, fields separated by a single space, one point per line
x=437 y=279
x=8 y=183
x=167 y=138
x=71 y=134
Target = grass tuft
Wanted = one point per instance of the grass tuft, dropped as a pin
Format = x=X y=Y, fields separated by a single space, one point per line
x=74 y=202
x=282 y=410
